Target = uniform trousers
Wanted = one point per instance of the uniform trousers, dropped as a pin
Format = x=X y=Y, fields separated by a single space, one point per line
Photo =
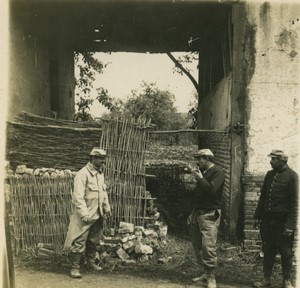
x=273 y=241
x=88 y=240
x=204 y=232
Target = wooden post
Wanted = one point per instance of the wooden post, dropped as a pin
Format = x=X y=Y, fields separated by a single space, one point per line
x=8 y=257
x=238 y=96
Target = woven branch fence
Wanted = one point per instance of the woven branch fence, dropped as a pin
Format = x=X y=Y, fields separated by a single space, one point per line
x=40 y=205
x=44 y=142
x=40 y=209
x=125 y=141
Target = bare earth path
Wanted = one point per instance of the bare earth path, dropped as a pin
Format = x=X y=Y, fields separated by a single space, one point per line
x=29 y=278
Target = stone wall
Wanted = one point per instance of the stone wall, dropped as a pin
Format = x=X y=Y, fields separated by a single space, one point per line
x=251 y=186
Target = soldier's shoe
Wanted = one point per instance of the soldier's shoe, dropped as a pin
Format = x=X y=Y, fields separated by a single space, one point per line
x=75 y=273
x=287 y=284
x=266 y=282
x=211 y=282
x=202 y=278
x=94 y=267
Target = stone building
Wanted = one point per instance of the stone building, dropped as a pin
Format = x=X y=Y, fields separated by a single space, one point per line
x=248 y=72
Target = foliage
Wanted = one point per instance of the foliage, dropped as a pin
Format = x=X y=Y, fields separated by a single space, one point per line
x=193 y=112
x=186 y=58
x=155 y=104
x=181 y=68
x=88 y=68
x=112 y=104
x=83 y=110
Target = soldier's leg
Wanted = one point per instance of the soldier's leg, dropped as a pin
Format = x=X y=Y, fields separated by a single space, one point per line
x=209 y=224
x=92 y=242
x=286 y=252
x=76 y=251
x=196 y=238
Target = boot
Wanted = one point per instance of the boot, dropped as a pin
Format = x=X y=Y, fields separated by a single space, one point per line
x=75 y=265
x=91 y=258
x=202 y=278
x=266 y=282
x=287 y=284
x=211 y=278
x=91 y=265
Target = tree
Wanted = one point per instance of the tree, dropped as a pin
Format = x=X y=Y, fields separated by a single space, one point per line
x=155 y=104
x=88 y=68
x=189 y=57
x=115 y=106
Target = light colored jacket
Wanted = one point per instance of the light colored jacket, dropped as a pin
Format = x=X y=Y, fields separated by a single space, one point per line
x=89 y=199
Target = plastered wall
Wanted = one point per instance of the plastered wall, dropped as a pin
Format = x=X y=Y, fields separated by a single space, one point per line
x=216 y=107
x=272 y=104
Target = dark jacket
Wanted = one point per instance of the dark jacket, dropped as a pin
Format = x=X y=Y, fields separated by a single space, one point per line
x=279 y=197
x=208 y=193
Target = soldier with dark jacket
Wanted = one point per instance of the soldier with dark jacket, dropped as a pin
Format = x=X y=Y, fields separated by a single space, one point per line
x=206 y=214
x=276 y=214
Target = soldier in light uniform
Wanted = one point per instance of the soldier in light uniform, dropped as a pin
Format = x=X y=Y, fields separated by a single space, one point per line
x=90 y=208
x=276 y=214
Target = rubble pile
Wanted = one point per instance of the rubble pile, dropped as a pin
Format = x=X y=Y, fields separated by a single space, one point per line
x=23 y=170
x=133 y=243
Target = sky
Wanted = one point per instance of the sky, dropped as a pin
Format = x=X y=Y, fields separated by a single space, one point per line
x=126 y=71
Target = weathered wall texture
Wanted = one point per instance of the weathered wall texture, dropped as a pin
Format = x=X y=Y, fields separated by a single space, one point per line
x=216 y=107
x=272 y=101
x=66 y=82
x=29 y=74
x=273 y=90
x=29 y=81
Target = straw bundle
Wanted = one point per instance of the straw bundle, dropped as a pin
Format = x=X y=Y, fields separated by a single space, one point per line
x=125 y=141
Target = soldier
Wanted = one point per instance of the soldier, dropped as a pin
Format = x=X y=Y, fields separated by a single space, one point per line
x=90 y=208
x=206 y=214
x=276 y=214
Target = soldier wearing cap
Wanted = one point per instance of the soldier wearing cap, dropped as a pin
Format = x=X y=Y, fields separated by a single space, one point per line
x=276 y=214
x=90 y=208
x=205 y=217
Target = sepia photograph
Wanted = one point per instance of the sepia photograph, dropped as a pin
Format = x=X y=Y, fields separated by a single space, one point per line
x=150 y=143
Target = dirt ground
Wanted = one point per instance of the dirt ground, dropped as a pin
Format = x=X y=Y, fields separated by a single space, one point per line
x=236 y=268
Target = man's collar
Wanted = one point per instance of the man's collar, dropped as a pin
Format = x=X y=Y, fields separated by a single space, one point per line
x=92 y=169
x=212 y=165
x=281 y=168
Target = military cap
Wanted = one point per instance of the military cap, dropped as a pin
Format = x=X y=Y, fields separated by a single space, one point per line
x=203 y=152
x=98 y=152
x=278 y=153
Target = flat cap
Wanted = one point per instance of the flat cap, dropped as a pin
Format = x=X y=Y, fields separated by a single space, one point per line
x=203 y=152
x=98 y=152
x=278 y=153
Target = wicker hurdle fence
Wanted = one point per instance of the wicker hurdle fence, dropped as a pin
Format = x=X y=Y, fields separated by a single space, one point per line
x=40 y=203
x=39 y=210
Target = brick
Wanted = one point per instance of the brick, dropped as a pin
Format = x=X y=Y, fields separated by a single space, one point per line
x=122 y=254
x=252 y=234
x=128 y=245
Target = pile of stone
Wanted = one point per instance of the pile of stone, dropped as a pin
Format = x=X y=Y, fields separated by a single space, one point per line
x=22 y=170
x=132 y=243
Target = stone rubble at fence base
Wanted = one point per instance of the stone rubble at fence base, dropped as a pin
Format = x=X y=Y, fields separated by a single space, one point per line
x=133 y=243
